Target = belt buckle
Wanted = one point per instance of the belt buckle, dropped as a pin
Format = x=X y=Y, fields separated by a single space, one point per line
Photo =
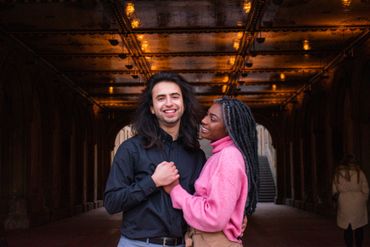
x=165 y=239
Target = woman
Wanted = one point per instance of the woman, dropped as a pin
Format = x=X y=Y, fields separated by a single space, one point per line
x=227 y=187
x=351 y=184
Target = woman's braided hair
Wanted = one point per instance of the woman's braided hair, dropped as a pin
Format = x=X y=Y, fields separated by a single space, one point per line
x=241 y=127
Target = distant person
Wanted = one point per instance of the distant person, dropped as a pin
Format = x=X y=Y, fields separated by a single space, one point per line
x=227 y=187
x=352 y=191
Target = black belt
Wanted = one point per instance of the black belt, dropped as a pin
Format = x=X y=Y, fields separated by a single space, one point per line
x=164 y=241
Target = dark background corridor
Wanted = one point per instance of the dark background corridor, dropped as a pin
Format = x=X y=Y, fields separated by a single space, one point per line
x=71 y=72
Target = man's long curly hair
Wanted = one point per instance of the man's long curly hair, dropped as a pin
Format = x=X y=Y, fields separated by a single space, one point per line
x=146 y=124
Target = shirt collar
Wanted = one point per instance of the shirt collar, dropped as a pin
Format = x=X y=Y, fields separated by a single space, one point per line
x=221 y=143
x=165 y=137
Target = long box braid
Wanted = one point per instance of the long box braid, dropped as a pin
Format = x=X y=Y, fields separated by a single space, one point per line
x=241 y=127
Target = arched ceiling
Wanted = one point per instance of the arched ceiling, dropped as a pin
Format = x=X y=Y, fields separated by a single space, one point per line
x=265 y=52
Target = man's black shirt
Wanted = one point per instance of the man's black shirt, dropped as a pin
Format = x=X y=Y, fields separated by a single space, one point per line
x=147 y=210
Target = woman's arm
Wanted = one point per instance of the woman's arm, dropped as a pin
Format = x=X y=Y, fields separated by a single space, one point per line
x=211 y=210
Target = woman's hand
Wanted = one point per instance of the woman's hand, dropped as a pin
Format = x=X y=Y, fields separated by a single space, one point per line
x=168 y=188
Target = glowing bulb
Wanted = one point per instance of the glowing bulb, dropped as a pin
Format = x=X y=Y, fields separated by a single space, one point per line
x=144 y=46
x=346 y=3
x=110 y=90
x=282 y=76
x=130 y=9
x=135 y=23
x=236 y=44
x=273 y=87
x=306 y=45
x=140 y=36
x=247 y=6
x=231 y=60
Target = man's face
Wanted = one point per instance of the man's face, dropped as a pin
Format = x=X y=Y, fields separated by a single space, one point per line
x=168 y=104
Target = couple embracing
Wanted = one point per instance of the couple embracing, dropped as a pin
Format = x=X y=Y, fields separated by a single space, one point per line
x=169 y=195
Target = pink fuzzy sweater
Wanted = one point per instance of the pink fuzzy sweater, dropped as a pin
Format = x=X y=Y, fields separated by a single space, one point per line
x=220 y=193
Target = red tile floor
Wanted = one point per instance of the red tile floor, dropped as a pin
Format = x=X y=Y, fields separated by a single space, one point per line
x=271 y=226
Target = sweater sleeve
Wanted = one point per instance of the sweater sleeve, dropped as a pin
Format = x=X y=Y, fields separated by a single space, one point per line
x=212 y=211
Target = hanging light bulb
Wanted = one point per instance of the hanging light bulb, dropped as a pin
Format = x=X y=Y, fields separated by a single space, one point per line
x=231 y=60
x=306 y=45
x=282 y=76
x=135 y=23
x=130 y=9
x=144 y=45
x=236 y=44
x=247 y=6
x=346 y=4
x=224 y=88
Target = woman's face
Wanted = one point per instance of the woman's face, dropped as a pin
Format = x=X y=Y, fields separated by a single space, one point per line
x=212 y=126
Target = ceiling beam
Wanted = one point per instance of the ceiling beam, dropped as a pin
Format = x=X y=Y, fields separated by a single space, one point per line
x=201 y=71
x=162 y=54
x=266 y=93
x=180 y=30
x=99 y=84
x=188 y=54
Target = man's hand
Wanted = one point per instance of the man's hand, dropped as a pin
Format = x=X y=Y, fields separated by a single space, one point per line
x=168 y=188
x=165 y=173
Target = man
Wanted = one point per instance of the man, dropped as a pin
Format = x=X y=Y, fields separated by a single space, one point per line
x=166 y=127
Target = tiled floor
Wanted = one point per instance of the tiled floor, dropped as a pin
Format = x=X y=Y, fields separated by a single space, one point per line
x=271 y=226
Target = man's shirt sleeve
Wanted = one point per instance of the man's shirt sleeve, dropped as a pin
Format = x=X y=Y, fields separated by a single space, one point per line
x=124 y=191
